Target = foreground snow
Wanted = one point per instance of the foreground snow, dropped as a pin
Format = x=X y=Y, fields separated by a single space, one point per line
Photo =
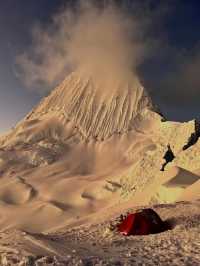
x=96 y=244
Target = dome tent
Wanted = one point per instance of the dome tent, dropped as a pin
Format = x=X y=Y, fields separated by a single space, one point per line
x=143 y=222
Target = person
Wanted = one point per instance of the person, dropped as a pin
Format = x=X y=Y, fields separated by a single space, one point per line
x=169 y=157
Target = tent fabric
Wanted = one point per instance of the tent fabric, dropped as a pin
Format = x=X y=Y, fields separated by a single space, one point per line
x=144 y=222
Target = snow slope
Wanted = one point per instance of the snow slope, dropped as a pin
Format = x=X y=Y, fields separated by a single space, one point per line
x=87 y=147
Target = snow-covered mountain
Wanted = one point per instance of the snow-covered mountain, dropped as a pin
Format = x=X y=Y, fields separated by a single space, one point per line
x=91 y=145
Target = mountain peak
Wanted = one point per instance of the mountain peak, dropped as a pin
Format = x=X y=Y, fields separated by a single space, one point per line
x=97 y=109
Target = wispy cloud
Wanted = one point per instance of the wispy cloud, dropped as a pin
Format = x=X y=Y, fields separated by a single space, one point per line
x=98 y=38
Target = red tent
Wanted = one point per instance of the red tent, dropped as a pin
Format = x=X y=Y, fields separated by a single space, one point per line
x=144 y=222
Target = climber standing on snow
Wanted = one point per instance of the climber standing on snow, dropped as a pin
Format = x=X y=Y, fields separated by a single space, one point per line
x=169 y=157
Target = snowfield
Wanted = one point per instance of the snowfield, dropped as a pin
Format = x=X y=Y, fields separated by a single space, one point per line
x=80 y=158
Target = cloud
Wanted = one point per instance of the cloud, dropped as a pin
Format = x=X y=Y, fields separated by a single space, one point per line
x=114 y=41
x=103 y=39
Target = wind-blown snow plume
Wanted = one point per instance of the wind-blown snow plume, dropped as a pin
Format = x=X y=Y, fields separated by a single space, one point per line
x=104 y=41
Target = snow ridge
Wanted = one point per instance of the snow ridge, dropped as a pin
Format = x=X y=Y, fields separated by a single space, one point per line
x=95 y=114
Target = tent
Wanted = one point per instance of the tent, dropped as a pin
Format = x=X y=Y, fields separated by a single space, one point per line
x=143 y=222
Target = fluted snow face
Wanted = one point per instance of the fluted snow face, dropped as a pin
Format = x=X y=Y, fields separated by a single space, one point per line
x=95 y=112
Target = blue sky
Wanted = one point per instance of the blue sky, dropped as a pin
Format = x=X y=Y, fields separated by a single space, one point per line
x=170 y=75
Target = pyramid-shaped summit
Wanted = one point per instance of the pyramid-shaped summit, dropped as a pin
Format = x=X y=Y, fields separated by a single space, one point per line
x=84 y=107
x=95 y=111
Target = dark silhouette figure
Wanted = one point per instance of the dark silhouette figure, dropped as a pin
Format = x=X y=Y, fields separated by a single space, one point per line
x=169 y=157
x=194 y=136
